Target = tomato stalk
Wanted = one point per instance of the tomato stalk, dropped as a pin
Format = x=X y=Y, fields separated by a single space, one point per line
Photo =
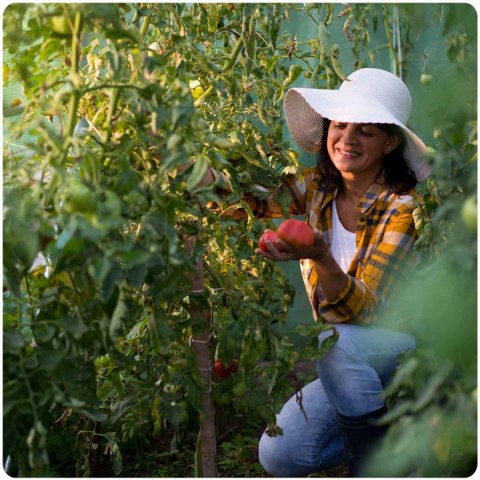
x=112 y=107
x=75 y=96
x=233 y=56
x=144 y=27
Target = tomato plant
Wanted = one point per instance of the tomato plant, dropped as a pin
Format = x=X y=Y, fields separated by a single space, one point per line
x=103 y=326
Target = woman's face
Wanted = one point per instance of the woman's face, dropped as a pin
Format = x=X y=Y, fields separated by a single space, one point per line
x=357 y=149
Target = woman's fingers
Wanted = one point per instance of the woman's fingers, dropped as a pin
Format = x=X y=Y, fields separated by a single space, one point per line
x=274 y=250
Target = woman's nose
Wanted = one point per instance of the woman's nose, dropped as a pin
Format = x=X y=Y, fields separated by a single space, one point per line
x=349 y=134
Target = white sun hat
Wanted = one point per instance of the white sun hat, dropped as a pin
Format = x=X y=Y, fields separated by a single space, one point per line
x=368 y=95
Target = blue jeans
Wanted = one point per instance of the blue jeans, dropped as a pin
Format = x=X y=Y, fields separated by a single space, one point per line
x=352 y=376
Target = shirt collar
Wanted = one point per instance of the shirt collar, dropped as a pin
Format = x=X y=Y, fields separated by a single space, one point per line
x=330 y=194
x=373 y=192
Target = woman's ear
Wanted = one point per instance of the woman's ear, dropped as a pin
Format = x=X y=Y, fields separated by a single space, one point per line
x=391 y=144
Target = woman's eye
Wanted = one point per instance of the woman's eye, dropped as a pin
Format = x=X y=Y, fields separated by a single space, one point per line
x=367 y=133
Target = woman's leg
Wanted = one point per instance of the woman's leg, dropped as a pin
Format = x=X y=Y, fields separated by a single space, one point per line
x=307 y=445
x=353 y=374
x=356 y=369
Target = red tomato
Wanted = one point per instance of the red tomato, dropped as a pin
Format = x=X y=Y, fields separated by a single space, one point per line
x=296 y=233
x=222 y=371
x=233 y=366
x=271 y=236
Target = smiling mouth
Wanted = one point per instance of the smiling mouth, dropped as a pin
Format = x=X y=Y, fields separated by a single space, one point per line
x=347 y=153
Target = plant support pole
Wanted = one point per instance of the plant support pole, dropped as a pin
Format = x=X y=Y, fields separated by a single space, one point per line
x=201 y=347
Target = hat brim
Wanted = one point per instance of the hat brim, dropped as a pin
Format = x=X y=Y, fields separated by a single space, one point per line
x=305 y=109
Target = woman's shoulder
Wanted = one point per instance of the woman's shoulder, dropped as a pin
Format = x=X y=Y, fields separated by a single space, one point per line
x=402 y=202
x=305 y=175
x=311 y=175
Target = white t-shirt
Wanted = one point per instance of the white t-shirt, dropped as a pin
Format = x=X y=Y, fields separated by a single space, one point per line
x=343 y=241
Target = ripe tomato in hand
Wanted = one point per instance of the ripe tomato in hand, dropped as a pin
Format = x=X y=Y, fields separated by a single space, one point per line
x=270 y=235
x=222 y=371
x=296 y=233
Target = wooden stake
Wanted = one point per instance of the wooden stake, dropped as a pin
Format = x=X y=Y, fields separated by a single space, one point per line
x=201 y=346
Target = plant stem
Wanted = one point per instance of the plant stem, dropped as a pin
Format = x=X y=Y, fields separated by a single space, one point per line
x=233 y=56
x=112 y=107
x=388 y=33
x=75 y=96
x=29 y=293
x=145 y=24
x=204 y=96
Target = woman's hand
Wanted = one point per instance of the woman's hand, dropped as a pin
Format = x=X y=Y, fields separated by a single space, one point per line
x=280 y=250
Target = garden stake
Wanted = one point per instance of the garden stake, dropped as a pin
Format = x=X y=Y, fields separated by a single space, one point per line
x=200 y=344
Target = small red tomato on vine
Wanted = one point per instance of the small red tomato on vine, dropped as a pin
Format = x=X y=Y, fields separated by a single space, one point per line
x=233 y=366
x=223 y=371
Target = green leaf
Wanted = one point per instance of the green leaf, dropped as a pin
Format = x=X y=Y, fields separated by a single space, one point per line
x=12 y=342
x=199 y=170
x=120 y=314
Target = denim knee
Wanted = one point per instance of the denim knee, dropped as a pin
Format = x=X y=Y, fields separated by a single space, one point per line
x=332 y=362
x=275 y=456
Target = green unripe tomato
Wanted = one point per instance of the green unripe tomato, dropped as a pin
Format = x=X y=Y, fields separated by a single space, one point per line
x=137 y=201
x=239 y=390
x=170 y=388
x=103 y=361
x=293 y=74
x=196 y=89
x=60 y=25
x=223 y=399
x=469 y=213
x=178 y=413
x=178 y=365
x=426 y=79
x=81 y=198
x=184 y=416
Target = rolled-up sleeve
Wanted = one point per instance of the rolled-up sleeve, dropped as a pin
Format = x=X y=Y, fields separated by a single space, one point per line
x=290 y=197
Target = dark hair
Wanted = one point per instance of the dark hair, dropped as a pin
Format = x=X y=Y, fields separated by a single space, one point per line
x=399 y=177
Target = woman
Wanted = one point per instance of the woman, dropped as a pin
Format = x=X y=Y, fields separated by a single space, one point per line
x=360 y=201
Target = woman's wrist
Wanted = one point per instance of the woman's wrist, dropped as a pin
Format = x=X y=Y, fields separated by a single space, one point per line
x=331 y=278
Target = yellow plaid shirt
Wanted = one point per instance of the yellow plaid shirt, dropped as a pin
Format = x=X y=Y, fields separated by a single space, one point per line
x=385 y=237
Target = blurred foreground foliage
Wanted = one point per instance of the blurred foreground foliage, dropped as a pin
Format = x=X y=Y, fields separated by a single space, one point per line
x=433 y=395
